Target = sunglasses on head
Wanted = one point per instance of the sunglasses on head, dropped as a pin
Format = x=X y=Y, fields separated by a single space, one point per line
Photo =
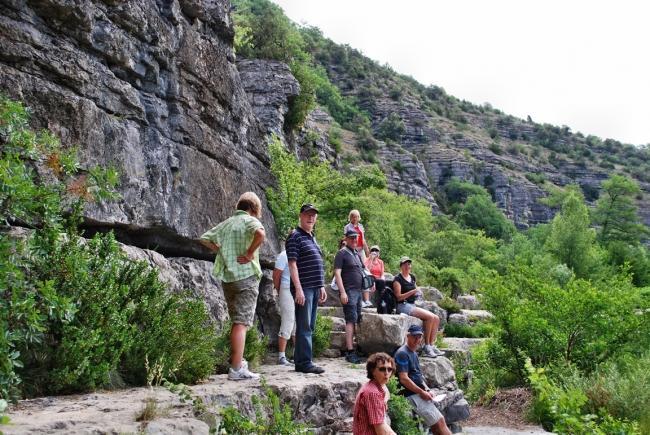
x=385 y=369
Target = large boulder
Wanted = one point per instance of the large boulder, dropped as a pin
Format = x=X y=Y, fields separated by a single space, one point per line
x=468 y=302
x=438 y=372
x=477 y=315
x=383 y=332
x=432 y=294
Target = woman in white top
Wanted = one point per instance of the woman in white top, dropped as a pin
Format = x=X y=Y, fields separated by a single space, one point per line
x=281 y=282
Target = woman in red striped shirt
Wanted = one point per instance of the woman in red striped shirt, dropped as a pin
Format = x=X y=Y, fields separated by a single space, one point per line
x=370 y=407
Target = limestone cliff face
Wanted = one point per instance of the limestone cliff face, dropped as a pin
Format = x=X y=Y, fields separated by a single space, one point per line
x=148 y=87
x=151 y=88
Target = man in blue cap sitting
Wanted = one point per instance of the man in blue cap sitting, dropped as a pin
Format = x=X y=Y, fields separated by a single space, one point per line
x=413 y=385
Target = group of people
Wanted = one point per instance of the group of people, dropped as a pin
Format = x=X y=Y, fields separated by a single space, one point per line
x=299 y=278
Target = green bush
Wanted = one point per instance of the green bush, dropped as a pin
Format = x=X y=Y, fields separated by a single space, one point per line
x=271 y=417
x=582 y=322
x=391 y=128
x=254 y=352
x=494 y=367
x=450 y=305
x=400 y=411
x=321 y=336
x=562 y=410
x=74 y=313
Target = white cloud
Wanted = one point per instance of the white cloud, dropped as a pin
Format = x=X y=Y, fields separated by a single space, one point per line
x=578 y=63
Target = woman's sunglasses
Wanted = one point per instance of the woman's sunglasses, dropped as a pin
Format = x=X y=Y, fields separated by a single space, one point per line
x=385 y=369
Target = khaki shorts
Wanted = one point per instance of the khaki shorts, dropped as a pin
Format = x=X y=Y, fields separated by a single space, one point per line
x=241 y=297
x=425 y=409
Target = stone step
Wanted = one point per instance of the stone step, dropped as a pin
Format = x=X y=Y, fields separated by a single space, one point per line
x=323 y=402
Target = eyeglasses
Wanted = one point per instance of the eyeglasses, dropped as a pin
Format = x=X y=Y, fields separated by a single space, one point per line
x=385 y=369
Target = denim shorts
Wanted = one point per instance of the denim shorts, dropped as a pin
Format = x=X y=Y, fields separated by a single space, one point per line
x=352 y=310
x=405 y=308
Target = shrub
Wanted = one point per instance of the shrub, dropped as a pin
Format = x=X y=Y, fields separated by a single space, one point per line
x=76 y=311
x=493 y=367
x=270 y=417
x=562 y=410
x=321 y=336
x=495 y=148
x=400 y=412
x=391 y=128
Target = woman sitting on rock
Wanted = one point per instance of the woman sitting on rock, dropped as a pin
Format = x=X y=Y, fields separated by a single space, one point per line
x=406 y=292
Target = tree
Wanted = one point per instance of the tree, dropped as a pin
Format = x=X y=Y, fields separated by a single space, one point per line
x=571 y=240
x=481 y=213
x=616 y=213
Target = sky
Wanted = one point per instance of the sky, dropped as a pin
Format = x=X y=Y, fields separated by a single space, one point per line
x=584 y=64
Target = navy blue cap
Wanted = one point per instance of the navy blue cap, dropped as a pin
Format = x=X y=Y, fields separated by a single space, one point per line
x=351 y=233
x=415 y=330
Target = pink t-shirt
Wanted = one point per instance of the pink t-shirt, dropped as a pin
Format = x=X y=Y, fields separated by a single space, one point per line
x=375 y=267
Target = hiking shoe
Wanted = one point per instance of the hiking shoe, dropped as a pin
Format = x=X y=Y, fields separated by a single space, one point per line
x=283 y=361
x=242 y=374
x=311 y=369
x=352 y=357
x=428 y=351
x=437 y=351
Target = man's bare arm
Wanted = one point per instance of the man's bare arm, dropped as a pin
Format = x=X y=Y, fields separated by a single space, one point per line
x=258 y=239
x=209 y=244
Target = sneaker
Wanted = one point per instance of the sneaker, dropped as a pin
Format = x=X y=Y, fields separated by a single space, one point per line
x=242 y=374
x=427 y=351
x=368 y=304
x=283 y=361
x=352 y=357
x=311 y=369
x=437 y=351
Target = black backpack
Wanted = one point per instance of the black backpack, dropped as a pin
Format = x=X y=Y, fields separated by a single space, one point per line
x=387 y=301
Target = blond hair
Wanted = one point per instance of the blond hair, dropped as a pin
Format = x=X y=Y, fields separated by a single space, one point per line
x=250 y=202
x=354 y=213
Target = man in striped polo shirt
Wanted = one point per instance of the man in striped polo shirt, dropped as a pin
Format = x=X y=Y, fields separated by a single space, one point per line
x=307 y=285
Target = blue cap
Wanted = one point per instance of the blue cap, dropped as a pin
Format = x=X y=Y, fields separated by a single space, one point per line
x=415 y=330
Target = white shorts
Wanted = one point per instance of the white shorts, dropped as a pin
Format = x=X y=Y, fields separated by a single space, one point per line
x=287 y=313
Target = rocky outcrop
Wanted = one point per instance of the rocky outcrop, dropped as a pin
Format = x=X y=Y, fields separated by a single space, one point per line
x=323 y=402
x=152 y=89
x=269 y=86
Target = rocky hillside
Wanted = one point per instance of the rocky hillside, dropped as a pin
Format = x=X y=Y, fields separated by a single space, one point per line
x=424 y=137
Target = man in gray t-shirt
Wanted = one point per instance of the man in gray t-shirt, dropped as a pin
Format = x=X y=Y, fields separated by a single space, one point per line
x=348 y=273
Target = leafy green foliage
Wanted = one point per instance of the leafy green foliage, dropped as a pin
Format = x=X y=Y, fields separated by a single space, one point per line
x=321 y=336
x=74 y=313
x=616 y=212
x=391 y=128
x=270 y=417
x=582 y=322
x=571 y=240
x=400 y=411
x=480 y=212
x=561 y=410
